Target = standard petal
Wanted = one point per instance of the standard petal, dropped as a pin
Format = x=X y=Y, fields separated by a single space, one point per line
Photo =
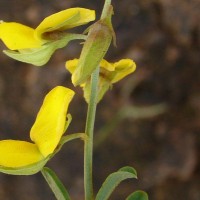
x=15 y=153
x=17 y=36
x=123 y=68
x=50 y=122
x=64 y=20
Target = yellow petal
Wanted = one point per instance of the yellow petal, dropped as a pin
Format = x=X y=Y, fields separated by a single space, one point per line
x=106 y=65
x=71 y=65
x=64 y=20
x=50 y=122
x=17 y=36
x=122 y=69
x=14 y=153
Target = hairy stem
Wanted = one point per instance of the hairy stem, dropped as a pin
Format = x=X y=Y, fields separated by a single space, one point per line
x=105 y=8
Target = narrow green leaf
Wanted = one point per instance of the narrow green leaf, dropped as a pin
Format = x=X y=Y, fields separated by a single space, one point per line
x=40 y=56
x=55 y=184
x=138 y=195
x=113 y=180
x=128 y=169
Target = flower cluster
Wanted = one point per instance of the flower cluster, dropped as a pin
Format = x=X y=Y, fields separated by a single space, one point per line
x=109 y=73
x=36 y=46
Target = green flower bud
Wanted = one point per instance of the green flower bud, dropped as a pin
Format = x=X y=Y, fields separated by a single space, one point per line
x=95 y=47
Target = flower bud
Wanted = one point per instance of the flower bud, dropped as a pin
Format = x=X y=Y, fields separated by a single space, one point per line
x=95 y=47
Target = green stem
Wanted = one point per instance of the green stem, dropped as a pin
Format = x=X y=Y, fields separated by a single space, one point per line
x=88 y=148
x=105 y=8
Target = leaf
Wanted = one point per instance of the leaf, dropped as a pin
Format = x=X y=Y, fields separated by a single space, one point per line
x=128 y=169
x=138 y=195
x=27 y=170
x=113 y=180
x=40 y=56
x=55 y=184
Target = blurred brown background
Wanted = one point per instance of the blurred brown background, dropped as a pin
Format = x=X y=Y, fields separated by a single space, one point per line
x=150 y=120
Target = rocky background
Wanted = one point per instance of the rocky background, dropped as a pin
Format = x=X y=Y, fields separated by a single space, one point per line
x=150 y=121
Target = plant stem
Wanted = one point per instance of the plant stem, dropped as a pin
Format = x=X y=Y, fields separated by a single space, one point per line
x=89 y=129
x=105 y=8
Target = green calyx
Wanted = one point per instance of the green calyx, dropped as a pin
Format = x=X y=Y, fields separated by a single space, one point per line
x=40 y=56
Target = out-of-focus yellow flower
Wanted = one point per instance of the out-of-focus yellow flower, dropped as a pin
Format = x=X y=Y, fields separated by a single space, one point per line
x=21 y=157
x=109 y=73
x=17 y=36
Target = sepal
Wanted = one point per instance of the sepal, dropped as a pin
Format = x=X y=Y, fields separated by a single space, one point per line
x=40 y=56
x=26 y=170
x=103 y=87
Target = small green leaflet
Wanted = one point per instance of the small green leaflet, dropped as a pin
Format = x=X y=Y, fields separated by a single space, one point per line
x=138 y=195
x=113 y=180
x=55 y=184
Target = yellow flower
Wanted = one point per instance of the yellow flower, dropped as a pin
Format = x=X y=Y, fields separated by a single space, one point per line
x=21 y=157
x=109 y=73
x=17 y=36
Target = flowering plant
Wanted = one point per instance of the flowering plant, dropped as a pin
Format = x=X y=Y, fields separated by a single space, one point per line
x=91 y=71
